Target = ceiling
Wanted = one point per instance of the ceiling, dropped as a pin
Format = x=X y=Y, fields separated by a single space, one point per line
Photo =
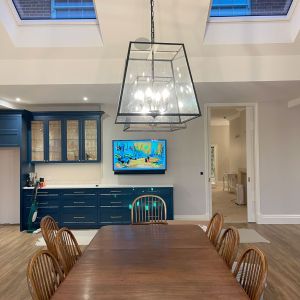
x=222 y=72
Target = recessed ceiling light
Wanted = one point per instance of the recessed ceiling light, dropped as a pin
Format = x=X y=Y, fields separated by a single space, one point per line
x=85 y=99
x=18 y=99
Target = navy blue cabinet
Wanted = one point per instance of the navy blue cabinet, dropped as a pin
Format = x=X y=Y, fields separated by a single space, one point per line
x=79 y=208
x=90 y=208
x=65 y=137
x=10 y=130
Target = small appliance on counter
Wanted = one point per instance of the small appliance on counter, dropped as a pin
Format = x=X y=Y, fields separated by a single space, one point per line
x=42 y=182
x=30 y=179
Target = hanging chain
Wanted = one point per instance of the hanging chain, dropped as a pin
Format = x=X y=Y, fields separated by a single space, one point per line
x=152 y=21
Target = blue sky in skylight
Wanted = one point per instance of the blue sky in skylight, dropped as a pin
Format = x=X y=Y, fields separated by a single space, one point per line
x=55 y=9
x=235 y=8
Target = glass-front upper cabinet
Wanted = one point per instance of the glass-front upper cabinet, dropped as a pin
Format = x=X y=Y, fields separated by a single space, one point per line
x=55 y=140
x=90 y=140
x=73 y=135
x=67 y=137
x=37 y=141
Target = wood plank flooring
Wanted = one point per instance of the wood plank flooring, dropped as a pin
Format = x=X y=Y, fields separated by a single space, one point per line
x=283 y=255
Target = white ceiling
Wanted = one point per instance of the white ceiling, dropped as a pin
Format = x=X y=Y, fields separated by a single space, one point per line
x=223 y=73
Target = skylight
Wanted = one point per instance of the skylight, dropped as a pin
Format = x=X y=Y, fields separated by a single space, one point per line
x=236 y=8
x=55 y=9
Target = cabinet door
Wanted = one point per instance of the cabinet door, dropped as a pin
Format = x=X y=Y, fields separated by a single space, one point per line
x=55 y=140
x=73 y=140
x=90 y=129
x=37 y=141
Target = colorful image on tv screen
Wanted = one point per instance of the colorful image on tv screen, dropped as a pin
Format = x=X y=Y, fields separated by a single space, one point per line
x=139 y=155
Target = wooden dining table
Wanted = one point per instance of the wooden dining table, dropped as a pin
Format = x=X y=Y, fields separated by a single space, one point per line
x=146 y=262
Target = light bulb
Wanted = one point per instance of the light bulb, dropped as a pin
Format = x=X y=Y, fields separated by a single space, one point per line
x=181 y=89
x=165 y=94
x=139 y=95
x=157 y=97
x=180 y=104
x=148 y=92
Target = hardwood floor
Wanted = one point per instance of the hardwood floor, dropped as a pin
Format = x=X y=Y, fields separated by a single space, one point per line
x=283 y=255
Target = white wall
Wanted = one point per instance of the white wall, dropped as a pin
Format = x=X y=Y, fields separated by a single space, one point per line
x=9 y=186
x=185 y=162
x=279 y=148
x=279 y=130
x=237 y=143
x=219 y=135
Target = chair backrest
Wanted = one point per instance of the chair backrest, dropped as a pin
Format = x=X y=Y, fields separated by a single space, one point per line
x=251 y=272
x=228 y=245
x=214 y=227
x=149 y=209
x=49 y=230
x=43 y=275
x=67 y=248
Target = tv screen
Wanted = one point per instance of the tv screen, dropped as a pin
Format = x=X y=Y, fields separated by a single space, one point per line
x=139 y=156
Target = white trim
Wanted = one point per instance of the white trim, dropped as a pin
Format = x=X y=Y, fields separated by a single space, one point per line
x=208 y=201
x=191 y=217
x=278 y=219
x=21 y=22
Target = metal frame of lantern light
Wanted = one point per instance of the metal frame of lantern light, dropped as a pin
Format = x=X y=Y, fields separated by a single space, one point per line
x=159 y=126
x=194 y=115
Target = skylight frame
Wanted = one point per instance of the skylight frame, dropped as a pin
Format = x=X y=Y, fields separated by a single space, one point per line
x=253 y=16
x=39 y=19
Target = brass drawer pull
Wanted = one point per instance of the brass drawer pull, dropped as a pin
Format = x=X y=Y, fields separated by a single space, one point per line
x=116 y=217
x=78 y=217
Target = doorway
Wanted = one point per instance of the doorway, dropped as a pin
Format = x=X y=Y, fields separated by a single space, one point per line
x=231 y=160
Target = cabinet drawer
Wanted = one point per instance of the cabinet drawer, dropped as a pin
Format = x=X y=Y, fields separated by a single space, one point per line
x=79 y=215
x=119 y=200
x=69 y=192
x=42 y=212
x=43 y=200
x=108 y=215
x=80 y=200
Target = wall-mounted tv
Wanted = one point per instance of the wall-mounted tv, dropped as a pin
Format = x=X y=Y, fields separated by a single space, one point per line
x=139 y=156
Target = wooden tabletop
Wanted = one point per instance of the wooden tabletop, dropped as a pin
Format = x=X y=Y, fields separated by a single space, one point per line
x=150 y=262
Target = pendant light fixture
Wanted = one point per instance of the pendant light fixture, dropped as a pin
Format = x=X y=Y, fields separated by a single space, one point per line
x=158 y=92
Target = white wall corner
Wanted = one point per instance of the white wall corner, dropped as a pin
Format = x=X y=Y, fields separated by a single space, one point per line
x=192 y=217
x=278 y=219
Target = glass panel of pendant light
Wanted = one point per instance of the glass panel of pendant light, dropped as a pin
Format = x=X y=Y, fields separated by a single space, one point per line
x=157 y=87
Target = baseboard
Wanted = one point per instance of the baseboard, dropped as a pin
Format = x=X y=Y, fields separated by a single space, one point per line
x=191 y=217
x=278 y=219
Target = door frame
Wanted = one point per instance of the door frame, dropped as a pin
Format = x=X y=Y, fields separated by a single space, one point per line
x=255 y=209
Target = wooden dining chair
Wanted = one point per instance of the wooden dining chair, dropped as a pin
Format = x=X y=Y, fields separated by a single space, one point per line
x=67 y=248
x=149 y=209
x=251 y=272
x=214 y=228
x=49 y=230
x=228 y=245
x=43 y=275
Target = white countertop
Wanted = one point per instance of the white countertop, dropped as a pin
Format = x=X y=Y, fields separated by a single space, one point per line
x=95 y=186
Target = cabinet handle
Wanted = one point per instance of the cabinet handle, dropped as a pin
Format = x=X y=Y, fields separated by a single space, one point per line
x=79 y=192
x=116 y=202
x=78 y=217
x=116 y=217
x=42 y=192
x=115 y=191
x=43 y=203
x=78 y=202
